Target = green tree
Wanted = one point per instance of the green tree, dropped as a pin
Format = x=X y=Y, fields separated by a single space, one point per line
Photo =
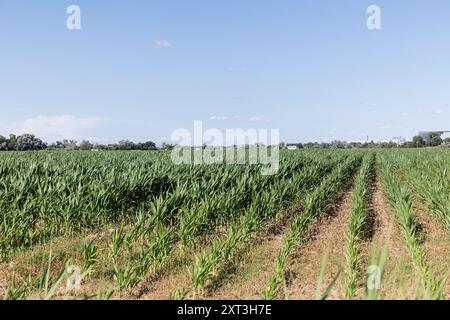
x=434 y=139
x=418 y=142
x=28 y=142
x=12 y=142
x=148 y=145
x=3 y=143
x=126 y=145
x=86 y=145
x=167 y=146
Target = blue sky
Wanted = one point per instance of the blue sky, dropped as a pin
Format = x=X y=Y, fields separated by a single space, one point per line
x=141 y=69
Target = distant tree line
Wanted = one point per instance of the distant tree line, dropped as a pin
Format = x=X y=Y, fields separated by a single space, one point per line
x=433 y=139
x=28 y=142
x=87 y=145
x=25 y=142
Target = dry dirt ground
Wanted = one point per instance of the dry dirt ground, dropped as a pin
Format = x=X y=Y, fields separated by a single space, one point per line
x=162 y=285
x=398 y=281
x=435 y=242
x=326 y=238
x=4 y=271
x=251 y=274
x=232 y=285
x=248 y=276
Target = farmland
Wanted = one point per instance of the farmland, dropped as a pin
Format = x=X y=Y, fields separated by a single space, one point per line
x=331 y=224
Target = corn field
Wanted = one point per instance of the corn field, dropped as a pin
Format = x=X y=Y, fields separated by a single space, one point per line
x=330 y=224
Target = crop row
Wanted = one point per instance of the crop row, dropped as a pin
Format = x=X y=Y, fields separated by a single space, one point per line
x=315 y=204
x=401 y=200
x=358 y=219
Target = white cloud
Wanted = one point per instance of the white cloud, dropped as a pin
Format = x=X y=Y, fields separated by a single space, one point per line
x=332 y=131
x=438 y=111
x=257 y=119
x=239 y=118
x=218 y=118
x=52 y=128
x=371 y=104
x=163 y=44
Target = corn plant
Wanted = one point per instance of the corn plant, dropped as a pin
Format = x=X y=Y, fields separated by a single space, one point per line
x=358 y=216
x=323 y=269
x=47 y=285
x=125 y=276
x=315 y=204
x=401 y=202
x=263 y=208
x=17 y=292
x=117 y=241
x=89 y=254
x=429 y=178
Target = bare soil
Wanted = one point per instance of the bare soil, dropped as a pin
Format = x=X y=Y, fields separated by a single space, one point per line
x=4 y=272
x=248 y=278
x=326 y=238
x=398 y=281
x=435 y=242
